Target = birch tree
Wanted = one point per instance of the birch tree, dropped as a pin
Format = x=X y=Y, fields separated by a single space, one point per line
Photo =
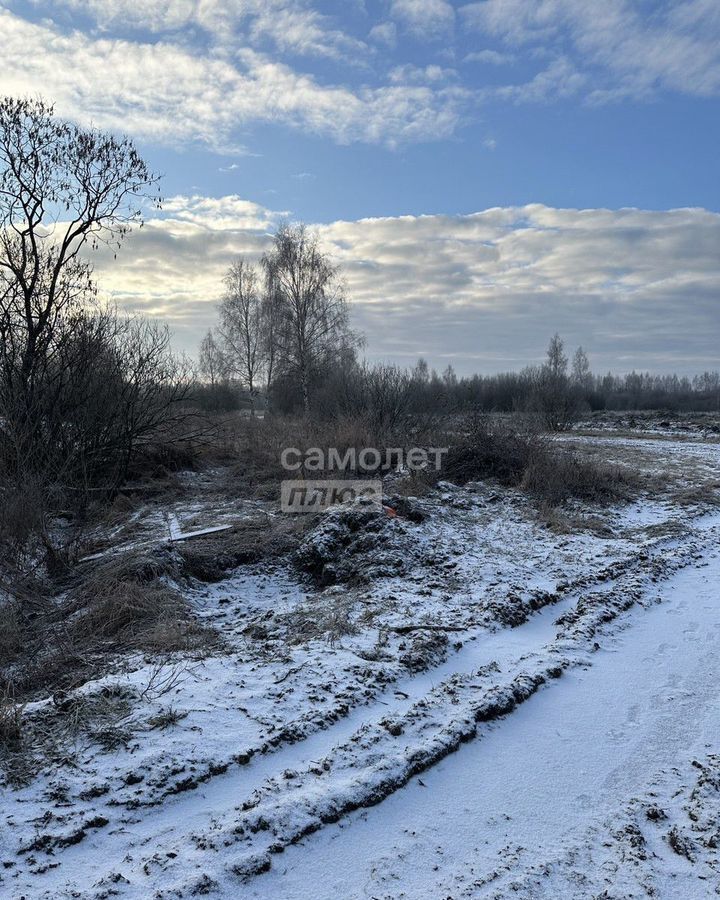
x=312 y=310
x=242 y=327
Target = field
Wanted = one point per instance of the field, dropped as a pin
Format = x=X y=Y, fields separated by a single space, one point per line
x=473 y=697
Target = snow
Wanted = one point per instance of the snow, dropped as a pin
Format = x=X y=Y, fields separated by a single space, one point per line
x=535 y=782
x=354 y=760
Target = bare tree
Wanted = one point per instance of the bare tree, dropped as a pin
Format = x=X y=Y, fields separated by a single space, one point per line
x=212 y=361
x=313 y=316
x=62 y=188
x=272 y=319
x=551 y=397
x=421 y=371
x=557 y=362
x=449 y=377
x=581 y=375
x=242 y=326
x=81 y=388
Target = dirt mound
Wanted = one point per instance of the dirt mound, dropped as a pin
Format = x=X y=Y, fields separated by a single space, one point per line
x=359 y=542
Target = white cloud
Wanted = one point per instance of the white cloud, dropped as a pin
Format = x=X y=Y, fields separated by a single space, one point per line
x=409 y=74
x=631 y=51
x=290 y=25
x=166 y=93
x=296 y=30
x=384 y=33
x=491 y=57
x=559 y=80
x=426 y=19
x=638 y=288
x=229 y=213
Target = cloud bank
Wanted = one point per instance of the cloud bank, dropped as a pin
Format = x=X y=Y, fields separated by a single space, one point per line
x=639 y=289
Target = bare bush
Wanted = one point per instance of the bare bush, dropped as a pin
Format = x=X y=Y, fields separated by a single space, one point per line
x=486 y=448
x=11 y=631
x=550 y=474
x=22 y=515
x=553 y=478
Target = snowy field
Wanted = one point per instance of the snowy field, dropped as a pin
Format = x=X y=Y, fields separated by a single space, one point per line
x=464 y=700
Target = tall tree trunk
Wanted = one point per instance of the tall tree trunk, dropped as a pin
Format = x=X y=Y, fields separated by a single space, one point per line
x=305 y=391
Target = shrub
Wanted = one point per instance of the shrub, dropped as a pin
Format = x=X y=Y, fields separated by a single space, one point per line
x=490 y=450
x=560 y=475
x=11 y=631
x=551 y=475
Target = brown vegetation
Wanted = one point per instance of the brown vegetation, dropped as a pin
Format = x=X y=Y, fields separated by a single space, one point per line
x=549 y=473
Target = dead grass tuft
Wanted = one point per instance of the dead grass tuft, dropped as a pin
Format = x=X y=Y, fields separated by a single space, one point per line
x=562 y=520
x=167 y=718
x=11 y=722
x=265 y=538
x=11 y=632
x=326 y=617
x=558 y=475
x=126 y=602
x=700 y=495
x=130 y=602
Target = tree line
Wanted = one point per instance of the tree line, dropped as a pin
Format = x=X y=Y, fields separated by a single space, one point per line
x=260 y=349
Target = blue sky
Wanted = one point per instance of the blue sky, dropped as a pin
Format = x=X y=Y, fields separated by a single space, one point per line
x=391 y=110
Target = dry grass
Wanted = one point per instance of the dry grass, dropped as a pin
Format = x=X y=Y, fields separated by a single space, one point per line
x=166 y=719
x=556 y=476
x=551 y=475
x=263 y=538
x=129 y=614
x=564 y=521
x=125 y=603
x=11 y=721
x=58 y=731
x=699 y=495
x=11 y=632
x=22 y=507
x=129 y=602
x=256 y=447
x=325 y=617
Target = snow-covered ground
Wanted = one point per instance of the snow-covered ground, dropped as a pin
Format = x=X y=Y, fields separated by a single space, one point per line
x=480 y=705
x=537 y=806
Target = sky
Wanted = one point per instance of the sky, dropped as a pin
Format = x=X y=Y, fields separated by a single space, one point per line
x=485 y=173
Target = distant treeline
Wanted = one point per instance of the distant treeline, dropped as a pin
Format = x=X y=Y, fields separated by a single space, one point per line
x=510 y=391
x=347 y=386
